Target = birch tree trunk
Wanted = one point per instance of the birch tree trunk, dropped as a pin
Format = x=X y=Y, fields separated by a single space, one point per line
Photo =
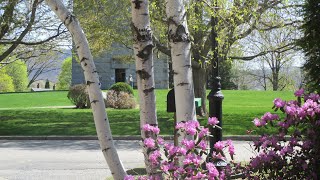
x=92 y=80
x=180 y=45
x=142 y=46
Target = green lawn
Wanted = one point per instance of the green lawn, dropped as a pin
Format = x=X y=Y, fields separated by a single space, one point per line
x=19 y=114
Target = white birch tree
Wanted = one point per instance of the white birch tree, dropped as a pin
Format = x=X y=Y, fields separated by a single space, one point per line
x=180 y=44
x=95 y=95
x=142 y=46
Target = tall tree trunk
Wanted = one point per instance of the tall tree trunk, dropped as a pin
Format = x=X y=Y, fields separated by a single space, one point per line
x=142 y=37
x=181 y=62
x=98 y=107
x=200 y=82
x=275 y=81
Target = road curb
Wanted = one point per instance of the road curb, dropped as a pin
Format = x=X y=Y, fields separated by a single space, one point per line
x=233 y=137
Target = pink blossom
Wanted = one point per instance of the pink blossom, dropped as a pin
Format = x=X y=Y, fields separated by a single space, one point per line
x=150 y=128
x=199 y=175
x=203 y=132
x=187 y=161
x=149 y=142
x=180 y=125
x=156 y=130
x=196 y=160
x=189 y=144
x=154 y=157
x=279 y=103
x=192 y=124
x=213 y=121
x=269 y=117
x=299 y=93
x=182 y=151
x=203 y=145
x=313 y=96
x=219 y=145
x=213 y=172
x=129 y=177
x=147 y=127
x=143 y=178
x=230 y=147
x=257 y=122
x=191 y=130
x=160 y=140
x=290 y=110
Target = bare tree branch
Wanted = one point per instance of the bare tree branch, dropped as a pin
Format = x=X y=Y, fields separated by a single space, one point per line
x=24 y=32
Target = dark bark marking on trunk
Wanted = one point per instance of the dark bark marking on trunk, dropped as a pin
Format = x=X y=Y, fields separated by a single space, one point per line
x=147 y=91
x=83 y=59
x=188 y=66
x=56 y=8
x=85 y=64
x=174 y=73
x=141 y=35
x=143 y=74
x=144 y=14
x=94 y=71
x=94 y=101
x=145 y=52
x=69 y=17
x=137 y=4
x=106 y=149
x=182 y=84
x=78 y=47
x=180 y=35
x=178 y=54
x=89 y=83
x=105 y=119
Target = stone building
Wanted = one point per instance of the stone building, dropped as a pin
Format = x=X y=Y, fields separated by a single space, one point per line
x=116 y=66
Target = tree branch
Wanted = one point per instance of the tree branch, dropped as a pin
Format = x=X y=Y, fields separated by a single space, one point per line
x=24 y=32
x=281 y=49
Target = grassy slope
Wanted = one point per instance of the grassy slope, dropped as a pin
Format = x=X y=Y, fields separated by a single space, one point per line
x=239 y=108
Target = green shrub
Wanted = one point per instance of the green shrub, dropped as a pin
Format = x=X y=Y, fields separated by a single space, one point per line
x=122 y=86
x=120 y=100
x=79 y=96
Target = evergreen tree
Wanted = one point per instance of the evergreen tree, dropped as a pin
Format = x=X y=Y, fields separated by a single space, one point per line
x=311 y=43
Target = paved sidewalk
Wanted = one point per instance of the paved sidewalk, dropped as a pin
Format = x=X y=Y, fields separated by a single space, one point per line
x=72 y=159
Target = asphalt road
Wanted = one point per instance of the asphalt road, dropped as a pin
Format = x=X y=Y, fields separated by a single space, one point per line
x=72 y=159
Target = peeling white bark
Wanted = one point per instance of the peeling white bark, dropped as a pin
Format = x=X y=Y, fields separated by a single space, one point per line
x=181 y=62
x=143 y=45
x=91 y=77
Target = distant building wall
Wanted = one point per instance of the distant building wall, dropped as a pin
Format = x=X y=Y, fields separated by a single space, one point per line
x=108 y=63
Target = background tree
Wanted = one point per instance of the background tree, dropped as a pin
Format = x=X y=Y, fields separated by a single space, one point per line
x=6 y=82
x=64 y=78
x=18 y=72
x=270 y=66
x=106 y=23
x=27 y=24
x=311 y=43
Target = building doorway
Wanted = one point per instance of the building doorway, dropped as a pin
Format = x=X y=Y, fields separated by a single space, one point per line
x=120 y=75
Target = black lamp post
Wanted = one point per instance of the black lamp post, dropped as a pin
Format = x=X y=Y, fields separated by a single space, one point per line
x=215 y=96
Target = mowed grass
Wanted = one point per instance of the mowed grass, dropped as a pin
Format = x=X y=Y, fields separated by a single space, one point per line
x=20 y=114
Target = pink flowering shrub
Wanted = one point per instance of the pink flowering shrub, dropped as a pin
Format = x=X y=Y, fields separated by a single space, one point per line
x=189 y=159
x=294 y=152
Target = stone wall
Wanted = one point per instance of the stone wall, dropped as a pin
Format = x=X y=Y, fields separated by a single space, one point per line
x=107 y=63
